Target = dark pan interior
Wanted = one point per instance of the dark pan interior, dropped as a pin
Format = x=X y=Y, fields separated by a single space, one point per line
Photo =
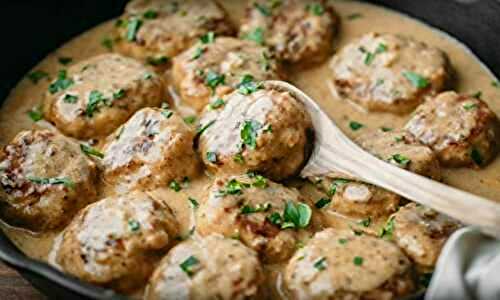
x=32 y=29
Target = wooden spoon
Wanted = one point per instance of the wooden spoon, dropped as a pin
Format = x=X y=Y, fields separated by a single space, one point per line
x=335 y=151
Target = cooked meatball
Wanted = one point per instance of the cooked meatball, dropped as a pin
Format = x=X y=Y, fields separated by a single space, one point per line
x=266 y=131
x=156 y=30
x=400 y=149
x=461 y=129
x=340 y=265
x=351 y=197
x=211 y=267
x=252 y=209
x=45 y=178
x=214 y=68
x=387 y=72
x=421 y=232
x=97 y=95
x=298 y=31
x=117 y=241
x=152 y=149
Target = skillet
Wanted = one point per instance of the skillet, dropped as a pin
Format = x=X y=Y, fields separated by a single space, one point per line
x=33 y=29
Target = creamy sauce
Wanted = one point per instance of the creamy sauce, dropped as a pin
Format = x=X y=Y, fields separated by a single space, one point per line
x=471 y=74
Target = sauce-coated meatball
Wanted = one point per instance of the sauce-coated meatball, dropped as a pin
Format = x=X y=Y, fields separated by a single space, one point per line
x=211 y=267
x=117 y=241
x=461 y=129
x=214 y=68
x=45 y=178
x=97 y=95
x=266 y=131
x=387 y=72
x=152 y=149
x=298 y=31
x=157 y=30
x=258 y=212
x=340 y=265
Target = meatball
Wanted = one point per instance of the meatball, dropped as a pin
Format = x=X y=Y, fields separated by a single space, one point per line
x=400 y=149
x=298 y=31
x=117 y=241
x=421 y=232
x=264 y=215
x=211 y=267
x=351 y=197
x=214 y=68
x=97 y=95
x=152 y=149
x=387 y=72
x=45 y=178
x=340 y=265
x=266 y=131
x=461 y=129
x=156 y=30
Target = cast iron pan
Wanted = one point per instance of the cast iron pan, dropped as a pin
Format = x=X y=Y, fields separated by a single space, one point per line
x=33 y=29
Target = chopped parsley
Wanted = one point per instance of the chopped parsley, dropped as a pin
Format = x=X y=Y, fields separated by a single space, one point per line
x=208 y=38
x=62 y=82
x=234 y=187
x=194 y=202
x=91 y=151
x=265 y=62
x=354 y=16
x=388 y=229
x=238 y=158
x=133 y=26
x=107 y=43
x=188 y=265
x=119 y=94
x=212 y=157
x=95 y=98
x=38 y=75
x=217 y=103
x=335 y=184
x=358 y=260
x=150 y=14
x=316 y=9
x=157 y=61
x=259 y=182
x=247 y=85
x=65 y=60
x=257 y=35
x=386 y=129
x=203 y=128
x=197 y=53
x=247 y=209
x=213 y=79
x=249 y=132
x=416 y=80
x=296 y=215
x=263 y=9
x=189 y=120
x=476 y=157
x=355 y=125
x=134 y=225
x=470 y=106
x=477 y=95
x=342 y=241
x=495 y=83
x=148 y=75
x=35 y=114
x=365 y=222
x=322 y=203
x=320 y=264
x=68 y=98
x=174 y=185
x=67 y=182
x=400 y=159
x=370 y=56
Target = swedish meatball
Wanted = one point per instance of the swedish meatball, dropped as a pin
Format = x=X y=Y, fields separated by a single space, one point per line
x=421 y=232
x=340 y=265
x=253 y=210
x=400 y=149
x=45 y=178
x=351 y=197
x=116 y=241
x=155 y=30
x=387 y=72
x=297 y=31
x=211 y=267
x=219 y=67
x=266 y=131
x=97 y=95
x=152 y=149
x=461 y=129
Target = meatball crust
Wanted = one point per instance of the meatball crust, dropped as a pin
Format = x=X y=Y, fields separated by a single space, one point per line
x=211 y=267
x=236 y=60
x=97 y=95
x=461 y=129
x=421 y=232
x=266 y=131
x=340 y=265
x=251 y=208
x=297 y=31
x=44 y=180
x=117 y=241
x=154 y=29
x=387 y=72
x=152 y=149
x=399 y=148
x=355 y=198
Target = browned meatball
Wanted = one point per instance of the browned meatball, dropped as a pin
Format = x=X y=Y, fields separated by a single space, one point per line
x=298 y=31
x=212 y=69
x=264 y=215
x=117 y=241
x=340 y=265
x=97 y=95
x=387 y=72
x=45 y=178
x=266 y=131
x=421 y=232
x=211 y=267
x=152 y=149
x=461 y=129
x=400 y=149
x=156 y=30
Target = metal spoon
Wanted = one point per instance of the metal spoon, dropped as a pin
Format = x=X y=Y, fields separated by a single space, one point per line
x=335 y=151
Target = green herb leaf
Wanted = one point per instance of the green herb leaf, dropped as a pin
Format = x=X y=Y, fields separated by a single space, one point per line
x=119 y=94
x=316 y=9
x=342 y=241
x=296 y=215
x=38 y=75
x=35 y=114
x=212 y=157
x=249 y=133
x=189 y=120
x=263 y=9
x=134 y=225
x=208 y=38
x=476 y=157
x=91 y=151
x=365 y=222
x=322 y=203
x=369 y=56
x=257 y=35
x=234 y=187
x=238 y=157
x=189 y=265
x=217 y=103
x=386 y=129
x=150 y=14
x=107 y=43
x=203 y=128
x=388 y=229
x=65 y=60
x=157 y=61
x=416 y=80
x=400 y=159
x=213 y=79
x=320 y=264
x=70 y=98
x=174 y=185
x=62 y=82
x=358 y=260
x=247 y=85
x=495 y=83
x=194 y=202
x=247 y=209
x=260 y=182
x=53 y=181
x=355 y=125
x=477 y=95
x=133 y=26
x=274 y=219
x=95 y=99
x=470 y=106
x=197 y=53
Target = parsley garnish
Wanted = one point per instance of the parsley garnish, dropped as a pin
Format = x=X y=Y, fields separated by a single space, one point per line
x=53 y=181
x=477 y=95
x=212 y=157
x=95 y=98
x=36 y=76
x=70 y=98
x=495 y=83
x=385 y=129
x=322 y=203
x=342 y=241
x=400 y=159
x=197 y=53
x=213 y=79
x=257 y=35
x=470 y=106
x=189 y=120
x=355 y=125
x=157 y=61
x=247 y=85
x=476 y=157
x=119 y=94
x=247 y=209
x=320 y=264
x=193 y=202
x=174 y=185
x=35 y=114
x=234 y=187
x=259 y=182
x=65 y=60
x=416 y=80
x=134 y=225
x=150 y=14
x=217 y=104
x=249 y=132
x=296 y=215
x=107 y=43
x=238 y=158
x=335 y=184
x=91 y=151
x=388 y=229
x=316 y=9
x=365 y=222
x=263 y=9
x=62 y=82
x=133 y=26
x=203 y=128
x=369 y=56
x=208 y=38
x=188 y=265
x=358 y=260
